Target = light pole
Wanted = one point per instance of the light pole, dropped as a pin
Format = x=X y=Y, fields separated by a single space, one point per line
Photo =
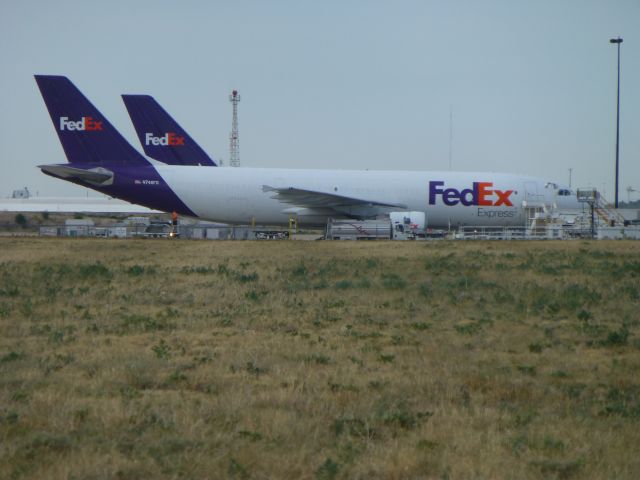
x=617 y=41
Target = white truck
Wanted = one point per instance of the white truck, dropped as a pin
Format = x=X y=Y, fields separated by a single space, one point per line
x=398 y=226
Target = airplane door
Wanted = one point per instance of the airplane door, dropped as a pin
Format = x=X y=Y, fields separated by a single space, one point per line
x=531 y=194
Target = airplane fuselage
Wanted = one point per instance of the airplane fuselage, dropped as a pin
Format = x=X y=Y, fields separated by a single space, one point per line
x=241 y=195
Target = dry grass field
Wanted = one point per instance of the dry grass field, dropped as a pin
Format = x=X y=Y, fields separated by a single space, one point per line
x=184 y=359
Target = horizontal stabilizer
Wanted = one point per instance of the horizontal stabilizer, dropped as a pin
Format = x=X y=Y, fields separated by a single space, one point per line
x=96 y=176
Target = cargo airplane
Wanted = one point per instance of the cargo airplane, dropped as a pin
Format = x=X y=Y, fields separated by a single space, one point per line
x=101 y=159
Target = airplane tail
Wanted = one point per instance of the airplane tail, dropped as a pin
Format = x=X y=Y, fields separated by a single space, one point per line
x=86 y=135
x=162 y=138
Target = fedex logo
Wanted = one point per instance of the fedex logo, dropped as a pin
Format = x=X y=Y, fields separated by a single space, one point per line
x=170 y=139
x=84 y=124
x=481 y=194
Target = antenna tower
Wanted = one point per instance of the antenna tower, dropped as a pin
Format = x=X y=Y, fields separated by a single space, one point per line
x=234 y=142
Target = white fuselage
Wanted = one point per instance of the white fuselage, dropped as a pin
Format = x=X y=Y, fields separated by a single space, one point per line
x=449 y=199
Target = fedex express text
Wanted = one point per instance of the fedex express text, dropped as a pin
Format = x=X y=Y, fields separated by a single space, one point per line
x=481 y=195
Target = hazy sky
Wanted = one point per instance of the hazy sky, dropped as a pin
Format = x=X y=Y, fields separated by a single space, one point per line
x=348 y=84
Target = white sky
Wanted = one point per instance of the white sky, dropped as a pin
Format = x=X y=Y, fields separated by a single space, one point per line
x=347 y=84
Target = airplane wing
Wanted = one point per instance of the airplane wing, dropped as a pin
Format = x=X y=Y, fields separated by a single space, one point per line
x=340 y=204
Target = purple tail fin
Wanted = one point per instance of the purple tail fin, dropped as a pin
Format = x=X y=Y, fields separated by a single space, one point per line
x=161 y=136
x=86 y=135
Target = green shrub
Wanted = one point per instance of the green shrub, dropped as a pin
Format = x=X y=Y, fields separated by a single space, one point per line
x=617 y=337
x=328 y=470
x=21 y=220
x=392 y=281
x=344 y=284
